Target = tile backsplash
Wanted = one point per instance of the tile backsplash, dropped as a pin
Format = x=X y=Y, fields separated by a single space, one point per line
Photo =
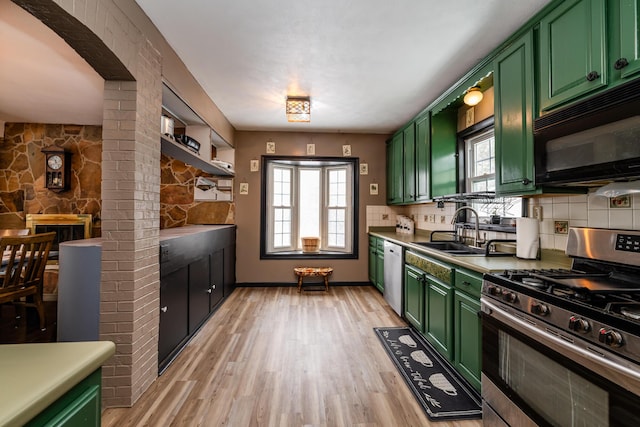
x=558 y=213
x=586 y=210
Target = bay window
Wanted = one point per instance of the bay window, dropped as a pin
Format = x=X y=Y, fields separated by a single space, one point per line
x=309 y=197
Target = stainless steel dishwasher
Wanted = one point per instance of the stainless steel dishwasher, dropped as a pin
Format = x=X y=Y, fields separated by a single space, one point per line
x=393 y=260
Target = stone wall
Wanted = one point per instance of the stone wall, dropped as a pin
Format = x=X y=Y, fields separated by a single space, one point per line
x=22 y=166
x=177 y=205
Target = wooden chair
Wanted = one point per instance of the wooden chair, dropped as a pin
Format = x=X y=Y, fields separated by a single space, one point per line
x=4 y=232
x=23 y=261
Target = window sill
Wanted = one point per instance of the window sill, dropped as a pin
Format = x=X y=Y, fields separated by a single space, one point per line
x=309 y=255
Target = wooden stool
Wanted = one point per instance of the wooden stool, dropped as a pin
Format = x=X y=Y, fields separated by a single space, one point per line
x=325 y=272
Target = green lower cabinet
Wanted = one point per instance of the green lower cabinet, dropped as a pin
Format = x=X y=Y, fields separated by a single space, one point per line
x=376 y=262
x=439 y=318
x=372 y=261
x=414 y=296
x=468 y=337
x=380 y=271
x=79 y=407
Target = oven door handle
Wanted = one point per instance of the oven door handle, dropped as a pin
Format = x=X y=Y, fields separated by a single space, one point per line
x=593 y=357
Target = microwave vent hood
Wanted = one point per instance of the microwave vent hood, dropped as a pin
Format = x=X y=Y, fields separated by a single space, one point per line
x=593 y=141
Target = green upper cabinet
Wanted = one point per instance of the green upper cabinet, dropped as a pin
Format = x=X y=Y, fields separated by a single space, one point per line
x=444 y=163
x=423 y=158
x=409 y=162
x=513 y=104
x=573 y=51
x=629 y=39
x=395 y=172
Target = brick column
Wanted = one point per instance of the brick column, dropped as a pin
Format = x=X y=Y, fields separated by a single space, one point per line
x=129 y=312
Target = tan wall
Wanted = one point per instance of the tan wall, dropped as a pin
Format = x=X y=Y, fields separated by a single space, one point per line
x=480 y=112
x=369 y=149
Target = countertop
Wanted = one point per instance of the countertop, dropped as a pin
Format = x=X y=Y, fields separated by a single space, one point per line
x=171 y=233
x=479 y=263
x=33 y=376
x=165 y=234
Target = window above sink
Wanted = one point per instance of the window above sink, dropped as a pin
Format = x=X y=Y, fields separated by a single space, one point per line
x=476 y=150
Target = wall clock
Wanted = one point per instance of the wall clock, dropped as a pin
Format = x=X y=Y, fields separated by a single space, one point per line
x=57 y=168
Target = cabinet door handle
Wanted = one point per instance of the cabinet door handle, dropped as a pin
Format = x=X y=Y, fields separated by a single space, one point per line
x=526 y=181
x=592 y=76
x=164 y=309
x=621 y=63
x=209 y=290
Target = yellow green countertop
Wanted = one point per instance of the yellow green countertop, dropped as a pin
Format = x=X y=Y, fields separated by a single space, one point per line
x=479 y=263
x=33 y=376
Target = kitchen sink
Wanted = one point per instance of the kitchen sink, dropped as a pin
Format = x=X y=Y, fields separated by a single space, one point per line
x=452 y=248
x=460 y=249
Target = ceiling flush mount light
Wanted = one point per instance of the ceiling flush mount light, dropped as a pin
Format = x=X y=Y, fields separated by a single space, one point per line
x=473 y=96
x=298 y=109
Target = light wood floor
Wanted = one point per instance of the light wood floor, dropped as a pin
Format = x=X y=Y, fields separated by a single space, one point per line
x=273 y=357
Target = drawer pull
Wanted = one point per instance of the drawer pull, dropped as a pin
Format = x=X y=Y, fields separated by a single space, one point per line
x=466 y=283
x=593 y=75
x=621 y=63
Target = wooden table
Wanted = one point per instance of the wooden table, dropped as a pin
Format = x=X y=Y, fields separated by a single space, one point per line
x=323 y=272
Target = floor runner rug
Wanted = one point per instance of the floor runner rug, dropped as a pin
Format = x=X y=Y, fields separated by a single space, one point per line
x=439 y=389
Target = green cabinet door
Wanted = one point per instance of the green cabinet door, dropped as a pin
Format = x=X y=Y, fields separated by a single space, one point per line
x=395 y=173
x=513 y=104
x=423 y=158
x=468 y=338
x=444 y=163
x=629 y=39
x=414 y=296
x=372 y=259
x=380 y=270
x=573 y=51
x=409 y=163
x=439 y=317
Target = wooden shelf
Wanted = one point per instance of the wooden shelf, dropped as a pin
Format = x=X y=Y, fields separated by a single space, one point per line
x=196 y=128
x=182 y=153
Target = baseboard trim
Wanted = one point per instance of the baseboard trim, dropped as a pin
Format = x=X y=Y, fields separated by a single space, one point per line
x=281 y=284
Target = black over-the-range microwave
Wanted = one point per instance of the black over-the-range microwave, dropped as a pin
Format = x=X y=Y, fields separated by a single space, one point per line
x=591 y=142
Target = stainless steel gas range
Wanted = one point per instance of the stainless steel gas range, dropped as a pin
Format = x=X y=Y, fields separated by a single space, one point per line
x=562 y=347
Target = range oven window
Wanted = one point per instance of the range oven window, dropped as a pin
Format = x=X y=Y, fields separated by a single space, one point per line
x=559 y=395
x=550 y=388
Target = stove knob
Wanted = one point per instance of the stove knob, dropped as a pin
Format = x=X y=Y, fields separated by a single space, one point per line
x=579 y=325
x=510 y=297
x=494 y=290
x=610 y=338
x=539 y=309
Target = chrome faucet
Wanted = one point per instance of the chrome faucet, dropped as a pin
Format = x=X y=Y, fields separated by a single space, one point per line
x=477 y=241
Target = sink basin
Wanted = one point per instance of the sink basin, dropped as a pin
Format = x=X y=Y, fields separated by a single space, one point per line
x=452 y=248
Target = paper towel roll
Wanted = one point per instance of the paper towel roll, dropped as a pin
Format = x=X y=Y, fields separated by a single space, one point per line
x=527 y=238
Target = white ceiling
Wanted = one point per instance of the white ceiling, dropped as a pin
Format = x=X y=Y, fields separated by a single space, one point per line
x=368 y=65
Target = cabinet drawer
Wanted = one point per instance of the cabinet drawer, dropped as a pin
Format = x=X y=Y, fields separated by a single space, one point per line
x=442 y=272
x=468 y=282
x=380 y=245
